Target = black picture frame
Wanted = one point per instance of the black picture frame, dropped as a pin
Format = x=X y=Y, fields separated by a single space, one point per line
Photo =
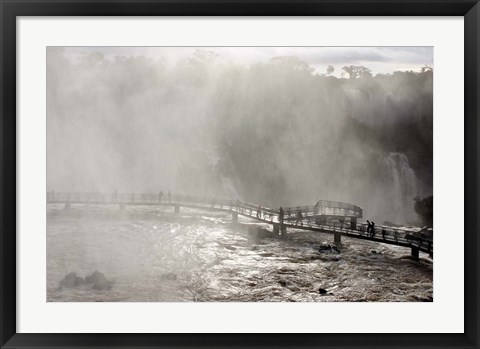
x=10 y=10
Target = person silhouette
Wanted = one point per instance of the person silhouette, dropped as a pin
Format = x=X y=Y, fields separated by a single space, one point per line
x=280 y=215
x=299 y=216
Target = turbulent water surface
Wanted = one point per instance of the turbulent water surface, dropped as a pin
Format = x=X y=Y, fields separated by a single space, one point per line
x=152 y=255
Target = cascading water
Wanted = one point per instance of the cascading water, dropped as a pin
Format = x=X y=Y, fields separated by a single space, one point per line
x=223 y=169
x=401 y=187
x=229 y=188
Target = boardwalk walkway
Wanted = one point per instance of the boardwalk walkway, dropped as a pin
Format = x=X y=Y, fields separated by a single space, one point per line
x=342 y=217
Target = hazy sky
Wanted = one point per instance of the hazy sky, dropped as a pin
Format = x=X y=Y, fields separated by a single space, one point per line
x=378 y=59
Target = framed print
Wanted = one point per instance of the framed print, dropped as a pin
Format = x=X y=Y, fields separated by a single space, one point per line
x=227 y=174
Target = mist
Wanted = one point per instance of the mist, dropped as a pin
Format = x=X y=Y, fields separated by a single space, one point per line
x=275 y=132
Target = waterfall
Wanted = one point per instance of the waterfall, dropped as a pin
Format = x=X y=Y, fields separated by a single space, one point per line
x=223 y=169
x=229 y=188
x=401 y=187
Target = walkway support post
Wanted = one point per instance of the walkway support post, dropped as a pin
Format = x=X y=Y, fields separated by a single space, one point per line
x=234 y=217
x=283 y=229
x=415 y=252
x=177 y=209
x=276 y=228
x=337 y=237
x=342 y=222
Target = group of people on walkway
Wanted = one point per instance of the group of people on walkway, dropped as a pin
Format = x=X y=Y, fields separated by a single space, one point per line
x=299 y=216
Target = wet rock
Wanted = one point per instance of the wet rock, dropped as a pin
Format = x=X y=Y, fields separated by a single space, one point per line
x=294 y=288
x=322 y=291
x=98 y=281
x=399 y=292
x=416 y=298
x=324 y=246
x=286 y=270
x=375 y=252
x=328 y=247
x=283 y=282
x=169 y=276
x=96 y=276
x=72 y=280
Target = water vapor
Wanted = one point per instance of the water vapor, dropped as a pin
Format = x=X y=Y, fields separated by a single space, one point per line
x=274 y=132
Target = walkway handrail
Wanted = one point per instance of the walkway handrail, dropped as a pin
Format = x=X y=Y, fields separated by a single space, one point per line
x=346 y=208
x=266 y=214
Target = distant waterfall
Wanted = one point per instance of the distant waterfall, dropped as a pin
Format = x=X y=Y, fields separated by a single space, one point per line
x=401 y=187
x=229 y=188
x=223 y=170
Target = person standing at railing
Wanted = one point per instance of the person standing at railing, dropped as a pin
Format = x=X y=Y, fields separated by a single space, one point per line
x=259 y=211
x=281 y=214
x=299 y=216
x=160 y=196
x=372 y=229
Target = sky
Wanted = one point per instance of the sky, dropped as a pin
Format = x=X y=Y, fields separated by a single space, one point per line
x=382 y=60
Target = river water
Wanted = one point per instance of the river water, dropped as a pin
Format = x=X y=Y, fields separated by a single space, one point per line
x=151 y=255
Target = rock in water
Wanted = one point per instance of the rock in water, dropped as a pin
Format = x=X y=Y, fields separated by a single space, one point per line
x=99 y=281
x=322 y=291
x=328 y=247
x=72 y=280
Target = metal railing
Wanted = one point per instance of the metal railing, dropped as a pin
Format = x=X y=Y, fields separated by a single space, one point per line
x=291 y=214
